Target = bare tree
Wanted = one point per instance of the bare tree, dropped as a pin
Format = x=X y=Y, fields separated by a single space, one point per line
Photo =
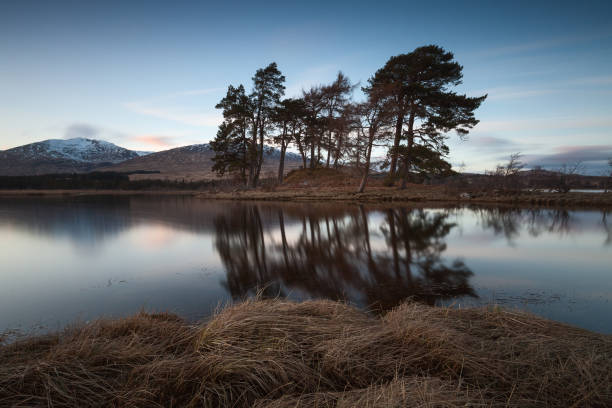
x=512 y=167
x=314 y=123
x=506 y=175
x=375 y=119
x=287 y=117
x=565 y=176
x=336 y=96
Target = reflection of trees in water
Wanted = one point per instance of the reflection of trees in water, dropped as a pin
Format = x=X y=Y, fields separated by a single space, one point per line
x=341 y=256
x=607 y=228
x=509 y=221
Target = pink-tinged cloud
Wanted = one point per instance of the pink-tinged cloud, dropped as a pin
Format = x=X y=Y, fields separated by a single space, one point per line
x=154 y=141
x=590 y=150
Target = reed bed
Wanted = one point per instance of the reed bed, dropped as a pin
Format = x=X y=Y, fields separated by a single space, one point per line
x=275 y=353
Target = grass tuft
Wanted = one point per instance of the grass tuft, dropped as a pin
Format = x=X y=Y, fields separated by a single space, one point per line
x=278 y=353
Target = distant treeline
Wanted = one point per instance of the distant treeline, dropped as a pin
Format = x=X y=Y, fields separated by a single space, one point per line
x=101 y=181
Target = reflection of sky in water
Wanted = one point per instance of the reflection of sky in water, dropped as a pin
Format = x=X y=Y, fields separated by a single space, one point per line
x=81 y=258
x=563 y=274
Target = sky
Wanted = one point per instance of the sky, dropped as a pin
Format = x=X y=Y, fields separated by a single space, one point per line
x=147 y=75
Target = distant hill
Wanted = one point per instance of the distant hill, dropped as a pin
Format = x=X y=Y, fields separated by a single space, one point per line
x=539 y=179
x=79 y=155
x=194 y=162
x=62 y=156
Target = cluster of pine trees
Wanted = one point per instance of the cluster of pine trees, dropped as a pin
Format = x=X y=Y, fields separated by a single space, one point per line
x=409 y=109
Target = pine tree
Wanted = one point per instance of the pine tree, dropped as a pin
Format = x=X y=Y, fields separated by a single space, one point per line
x=234 y=152
x=418 y=85
x=268 y=90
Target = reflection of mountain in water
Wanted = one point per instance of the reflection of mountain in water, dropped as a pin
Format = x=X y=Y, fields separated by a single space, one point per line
x=87 y=221
x=342 y=257
x=84 y=222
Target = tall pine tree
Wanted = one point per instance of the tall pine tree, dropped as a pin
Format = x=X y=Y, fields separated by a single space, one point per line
x=268 y=90
x=234 y=150
x=419 y=86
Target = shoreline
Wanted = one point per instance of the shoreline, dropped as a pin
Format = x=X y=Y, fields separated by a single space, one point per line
x=417 y=196
x=91 y=192
x=276 y=353
x=380 y=195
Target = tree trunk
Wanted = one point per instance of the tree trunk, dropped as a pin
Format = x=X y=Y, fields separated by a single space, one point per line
x=338 y=149
x=404 y=174
x=409 y=148
x=312 y=154
x=302 y=153
x=260 y=152
x=329 y=139
x=281 y=164
x=399 y=124
x=252 y=154
x=366 y=167
x=253 y=151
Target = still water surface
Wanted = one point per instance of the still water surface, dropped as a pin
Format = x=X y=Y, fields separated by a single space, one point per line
x=74 y=259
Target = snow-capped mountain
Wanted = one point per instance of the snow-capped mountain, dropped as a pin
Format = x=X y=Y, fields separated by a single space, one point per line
x=62 y=156
x=83 y=155
x=77 y=149
x=274 y=153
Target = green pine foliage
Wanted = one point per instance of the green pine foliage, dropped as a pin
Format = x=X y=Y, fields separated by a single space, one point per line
x=411 y=108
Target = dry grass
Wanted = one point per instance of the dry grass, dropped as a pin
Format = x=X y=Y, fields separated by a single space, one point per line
x=313 y=354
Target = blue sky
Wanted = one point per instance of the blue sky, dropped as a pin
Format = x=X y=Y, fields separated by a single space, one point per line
x=146 y=75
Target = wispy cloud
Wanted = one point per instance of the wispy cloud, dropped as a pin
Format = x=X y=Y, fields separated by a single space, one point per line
x=549 y=123
x=90 y=131
x=586 y=84
x=183 y=115
x=491 y=142
x=205 y=91
x=82 y=130
x=169 y=107
x=598 y=80
x=593 y=158
x=569 y=154
x=554 y=42
x=503 y=93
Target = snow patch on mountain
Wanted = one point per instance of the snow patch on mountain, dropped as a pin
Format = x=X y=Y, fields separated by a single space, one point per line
x=77 y=149
x=274 y=153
